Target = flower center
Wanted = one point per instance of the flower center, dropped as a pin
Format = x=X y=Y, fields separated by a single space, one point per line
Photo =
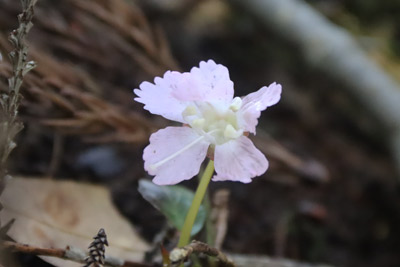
x=214 y=121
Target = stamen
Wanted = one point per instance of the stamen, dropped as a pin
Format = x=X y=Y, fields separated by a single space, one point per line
x=236 y=104
x=189 y=111
x=177 y=153
x=198 y=123
x=230 y=132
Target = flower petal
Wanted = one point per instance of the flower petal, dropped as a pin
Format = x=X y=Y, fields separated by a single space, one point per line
x=238 y=160
x=210 y=82
x=160 y=98
x=254 y=103
x=190 y=150
x=170 y=95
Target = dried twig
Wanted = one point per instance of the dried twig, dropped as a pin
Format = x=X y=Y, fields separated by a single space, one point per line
x=97 y=250
x=93 y=115
x=60 y=253
x=152 y=44
x=69 y=253
x=67 y=97
x=179 y=255
x=74 y=111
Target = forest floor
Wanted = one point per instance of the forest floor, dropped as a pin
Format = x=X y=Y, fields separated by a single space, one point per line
x=331 y=194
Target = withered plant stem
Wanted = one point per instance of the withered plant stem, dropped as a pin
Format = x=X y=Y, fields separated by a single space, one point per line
x=9 y=100
x=179 y=255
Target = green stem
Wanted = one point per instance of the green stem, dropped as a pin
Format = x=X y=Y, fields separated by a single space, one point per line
x=194 y=208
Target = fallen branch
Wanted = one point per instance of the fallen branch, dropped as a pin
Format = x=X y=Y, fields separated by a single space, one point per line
x=69 y=253
x=179 y=255
x=334 y=50
x=53 y=252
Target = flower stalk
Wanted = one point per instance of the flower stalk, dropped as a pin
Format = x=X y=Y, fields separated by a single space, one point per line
x=194 y=208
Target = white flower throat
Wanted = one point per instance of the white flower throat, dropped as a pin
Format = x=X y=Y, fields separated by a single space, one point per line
x=217 y=123
x=214 y=122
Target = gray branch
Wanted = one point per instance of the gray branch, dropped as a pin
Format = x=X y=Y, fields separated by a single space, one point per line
x=334 y=50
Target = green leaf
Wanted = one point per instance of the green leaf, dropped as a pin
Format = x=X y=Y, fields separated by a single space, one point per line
x=174 y=202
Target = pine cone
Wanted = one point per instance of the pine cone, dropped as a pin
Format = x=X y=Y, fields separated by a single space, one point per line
x=97 y=250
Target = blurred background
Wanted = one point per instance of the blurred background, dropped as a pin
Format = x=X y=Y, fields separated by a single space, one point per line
x=331 y=194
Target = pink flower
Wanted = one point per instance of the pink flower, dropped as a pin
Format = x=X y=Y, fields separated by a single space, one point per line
x=203 y=101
